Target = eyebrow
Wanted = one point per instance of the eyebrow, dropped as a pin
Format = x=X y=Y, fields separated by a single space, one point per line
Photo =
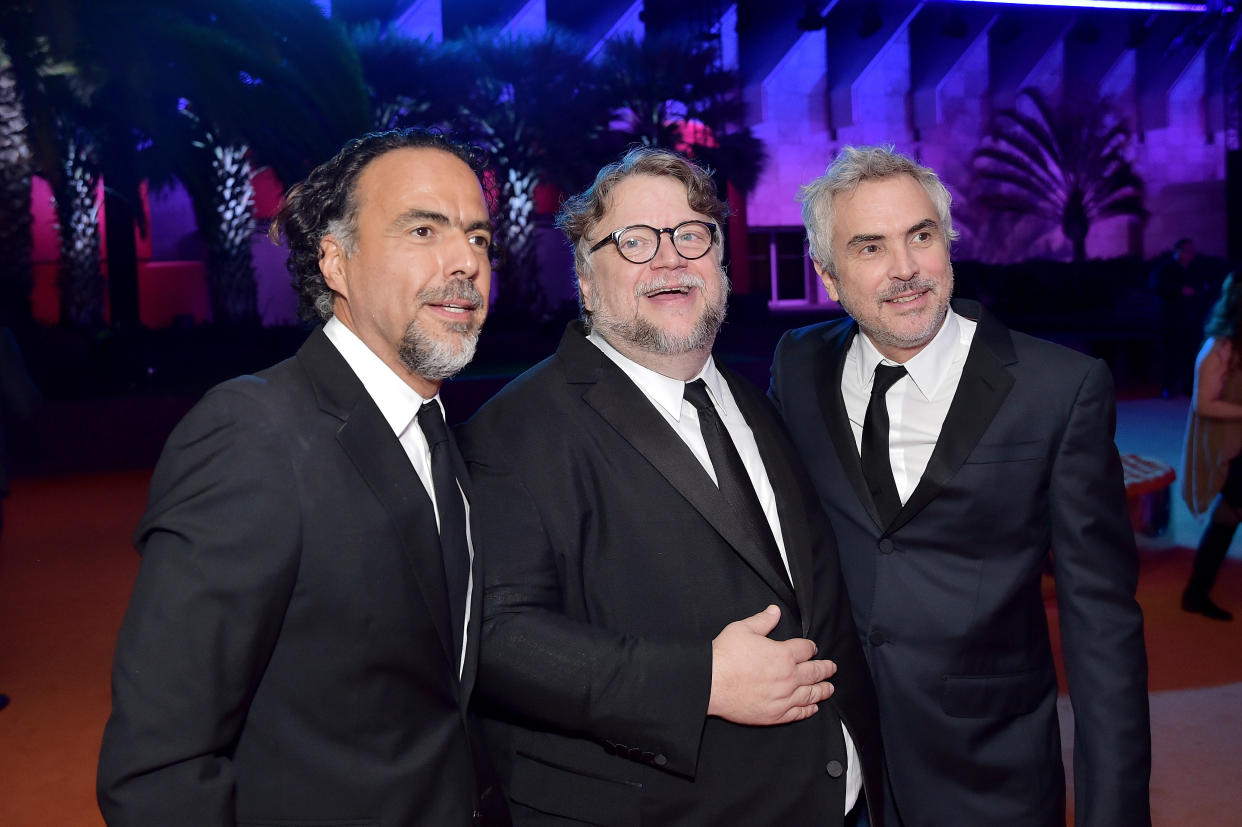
x=867 y=238
x=415 y=215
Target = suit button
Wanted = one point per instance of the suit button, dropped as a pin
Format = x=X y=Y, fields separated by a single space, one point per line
x=877 y=638
x=886 y=546
x=834 y=769
x=660 y=760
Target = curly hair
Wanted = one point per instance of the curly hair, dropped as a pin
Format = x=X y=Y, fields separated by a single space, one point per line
x=325 y=204
x=852 y=166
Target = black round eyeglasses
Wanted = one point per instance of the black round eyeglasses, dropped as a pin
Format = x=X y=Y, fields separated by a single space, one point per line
x=639 y=243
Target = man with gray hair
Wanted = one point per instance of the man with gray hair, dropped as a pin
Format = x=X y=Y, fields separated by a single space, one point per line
x=952 y=455
x=663 y=601
x=301 y=643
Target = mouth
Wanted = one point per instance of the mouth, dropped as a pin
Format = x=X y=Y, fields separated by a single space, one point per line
x=455 y=307
x=907 y=297
x=675 y=290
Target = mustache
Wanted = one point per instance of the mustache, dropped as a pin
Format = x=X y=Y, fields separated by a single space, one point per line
x=912 y=286
x=461 y=290
x=665 y=282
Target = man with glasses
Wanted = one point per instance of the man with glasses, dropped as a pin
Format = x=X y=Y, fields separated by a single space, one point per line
x=663 y=606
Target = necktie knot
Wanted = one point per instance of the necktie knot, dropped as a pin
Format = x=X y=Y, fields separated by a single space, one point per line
x=696 y=395
x=431 y=420
x=885 y=377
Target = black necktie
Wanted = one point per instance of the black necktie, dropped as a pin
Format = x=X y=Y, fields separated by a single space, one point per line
x=875 y=464
x=731 y=475
x=452 y=515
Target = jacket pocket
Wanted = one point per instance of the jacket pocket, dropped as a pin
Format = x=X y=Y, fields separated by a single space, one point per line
x=571 y=794
x=1007 y=452
x=995 y=696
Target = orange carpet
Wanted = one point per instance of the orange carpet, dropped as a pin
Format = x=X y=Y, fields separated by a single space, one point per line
x=66 y=569
x=1183 y=650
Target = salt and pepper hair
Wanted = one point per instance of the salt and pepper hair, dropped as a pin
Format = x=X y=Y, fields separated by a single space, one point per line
x=581 y=214
x=326 y=203
x=852 y=166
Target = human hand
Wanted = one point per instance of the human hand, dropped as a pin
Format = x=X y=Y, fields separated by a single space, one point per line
x=762 y=682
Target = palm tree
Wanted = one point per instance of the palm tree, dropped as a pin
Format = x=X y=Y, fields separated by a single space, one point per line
x=535 y=104
x=405 y=77
x=1064 y=165
x=276 y=76
x=671 y=91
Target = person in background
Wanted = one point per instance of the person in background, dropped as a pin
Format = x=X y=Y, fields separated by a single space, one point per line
x=1212 y=452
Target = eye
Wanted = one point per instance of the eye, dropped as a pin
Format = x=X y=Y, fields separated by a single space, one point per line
x=922 y=237
x=632 y=243
x=869 y=249
x=422 y=231
x=480 y=241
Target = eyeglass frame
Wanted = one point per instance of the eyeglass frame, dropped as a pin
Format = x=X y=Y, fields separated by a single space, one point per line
x=615 y=238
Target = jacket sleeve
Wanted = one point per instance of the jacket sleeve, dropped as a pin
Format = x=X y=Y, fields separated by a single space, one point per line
x=1096 y=571
x=544 y=660
x=219 y=545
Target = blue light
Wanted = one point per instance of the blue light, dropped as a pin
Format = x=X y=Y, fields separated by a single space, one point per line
x=1140 y=5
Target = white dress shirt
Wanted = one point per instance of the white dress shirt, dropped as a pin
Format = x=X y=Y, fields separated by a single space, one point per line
x=399 y=405
x=917 y=403
x=667 y=395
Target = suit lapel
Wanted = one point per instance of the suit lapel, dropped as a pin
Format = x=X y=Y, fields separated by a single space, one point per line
x=620 y=403
x=776 y=453
x=982 y=389
x=367 y=439
x=828 y=370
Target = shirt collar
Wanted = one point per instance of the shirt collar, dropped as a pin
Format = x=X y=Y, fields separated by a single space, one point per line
x=397 y=401
x=927 y=368
x=660 y=389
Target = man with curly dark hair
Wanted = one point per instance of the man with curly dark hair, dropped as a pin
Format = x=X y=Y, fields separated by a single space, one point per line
x=301 y=641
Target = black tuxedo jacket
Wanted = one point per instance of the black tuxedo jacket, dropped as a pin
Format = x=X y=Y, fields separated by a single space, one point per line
x=287 y=655
x=612 y=562
x=947 y=598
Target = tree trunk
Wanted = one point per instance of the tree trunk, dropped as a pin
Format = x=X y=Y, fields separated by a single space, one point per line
x=517 y=235
x=77 y=214
x=230 y=263
x=16 y=240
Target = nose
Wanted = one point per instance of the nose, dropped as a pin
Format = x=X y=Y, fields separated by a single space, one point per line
x=463 y=259
x=667 y=254
x=902 y=265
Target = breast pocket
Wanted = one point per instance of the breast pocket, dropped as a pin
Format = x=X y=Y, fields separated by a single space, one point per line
x=985 y=453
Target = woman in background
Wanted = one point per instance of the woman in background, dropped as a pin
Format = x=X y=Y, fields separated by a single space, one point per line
x=1212 y=455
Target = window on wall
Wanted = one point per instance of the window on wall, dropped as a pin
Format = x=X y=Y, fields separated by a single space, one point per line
x=778 y=257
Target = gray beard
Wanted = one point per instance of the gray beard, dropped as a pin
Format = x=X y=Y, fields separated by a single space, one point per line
x=643 y=335
x=431 y=358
